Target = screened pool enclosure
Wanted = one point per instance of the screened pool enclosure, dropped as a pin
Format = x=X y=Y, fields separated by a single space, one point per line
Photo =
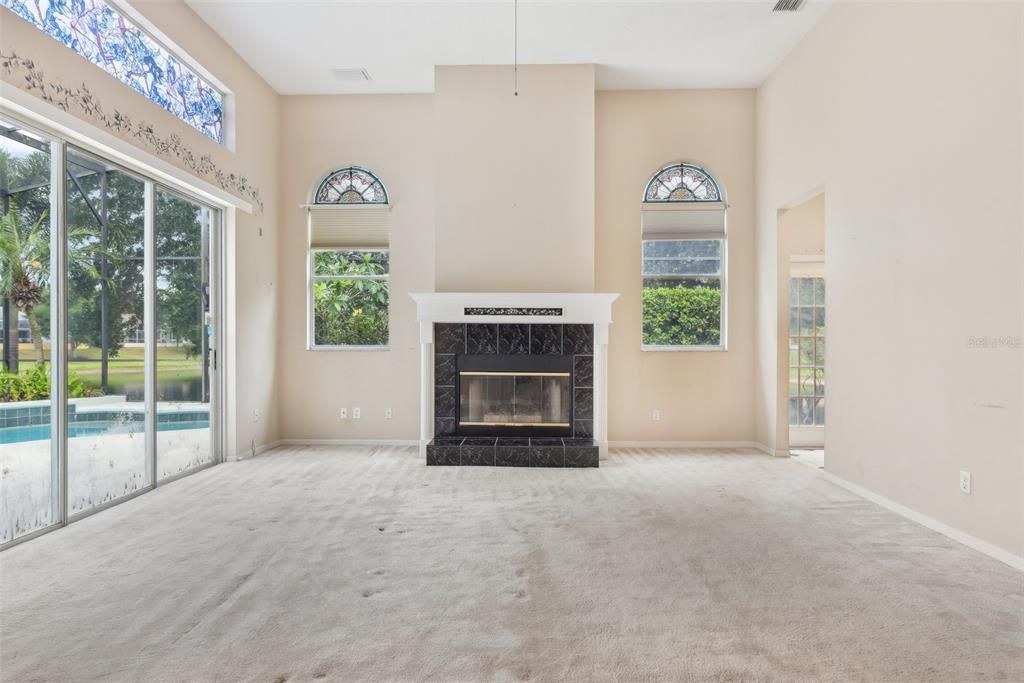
x=114 y=387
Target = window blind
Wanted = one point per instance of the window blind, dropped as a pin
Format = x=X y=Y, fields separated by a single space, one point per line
x=697 y=221
x=349 y=226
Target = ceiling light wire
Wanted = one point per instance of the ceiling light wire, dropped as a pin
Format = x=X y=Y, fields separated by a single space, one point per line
x=515 y=47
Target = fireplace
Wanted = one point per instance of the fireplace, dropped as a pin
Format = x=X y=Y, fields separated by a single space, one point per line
x=514 y=395
x=513 y=379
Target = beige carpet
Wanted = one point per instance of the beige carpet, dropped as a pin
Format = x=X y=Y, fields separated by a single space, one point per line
x=364 y=565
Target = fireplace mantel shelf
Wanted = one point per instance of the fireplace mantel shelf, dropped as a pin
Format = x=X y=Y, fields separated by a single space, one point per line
x=512 y=308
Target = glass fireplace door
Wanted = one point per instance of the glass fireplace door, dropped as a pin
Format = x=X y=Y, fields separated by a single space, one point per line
x=515 y=399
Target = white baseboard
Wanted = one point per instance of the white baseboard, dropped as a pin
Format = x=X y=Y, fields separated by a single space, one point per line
x=981 y=546
x=248 y=453
x=684 y=444
x=348 y=442
x=774 y=452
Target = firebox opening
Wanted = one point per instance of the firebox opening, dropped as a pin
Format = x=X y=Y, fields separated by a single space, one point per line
x=519 y=396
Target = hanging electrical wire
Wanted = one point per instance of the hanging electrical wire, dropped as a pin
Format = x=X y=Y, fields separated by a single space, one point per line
x=515 y=47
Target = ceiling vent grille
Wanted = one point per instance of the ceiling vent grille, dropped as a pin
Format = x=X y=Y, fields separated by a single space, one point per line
x=351 y=75
x=788 y=6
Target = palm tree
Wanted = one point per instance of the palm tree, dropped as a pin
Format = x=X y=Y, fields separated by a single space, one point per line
x=25 y=264
x=25 y=255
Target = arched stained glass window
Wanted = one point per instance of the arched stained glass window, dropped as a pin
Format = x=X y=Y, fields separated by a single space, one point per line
x=351 y=185
x=682 y=183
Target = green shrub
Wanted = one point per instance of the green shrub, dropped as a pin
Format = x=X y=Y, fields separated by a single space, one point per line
x=34 y=385
x=351 y=312
x=680 y=316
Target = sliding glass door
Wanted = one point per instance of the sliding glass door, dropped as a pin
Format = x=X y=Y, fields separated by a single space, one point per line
x=28 y=462
x=106 y=303
x=185 y=326
x=124 y=274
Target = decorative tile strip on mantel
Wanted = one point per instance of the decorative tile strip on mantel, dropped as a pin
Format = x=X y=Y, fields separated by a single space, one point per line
x=546 y=312
x=84 y=100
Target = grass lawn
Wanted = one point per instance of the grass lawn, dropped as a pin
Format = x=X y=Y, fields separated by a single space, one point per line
x=127 y=367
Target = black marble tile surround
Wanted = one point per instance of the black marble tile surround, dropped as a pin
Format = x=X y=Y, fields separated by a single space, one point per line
x=512 y=452
x=452 y=339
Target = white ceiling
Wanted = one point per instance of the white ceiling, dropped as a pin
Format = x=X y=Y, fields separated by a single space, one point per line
x=295 y=44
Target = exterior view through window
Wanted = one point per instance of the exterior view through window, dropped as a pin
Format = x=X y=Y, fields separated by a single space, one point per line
x=350 y=297
x=138 y=400
x=807 y=352
x=349 y=261
x=683 y=260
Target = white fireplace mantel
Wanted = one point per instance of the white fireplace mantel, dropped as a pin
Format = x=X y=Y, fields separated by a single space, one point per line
x=560 y=308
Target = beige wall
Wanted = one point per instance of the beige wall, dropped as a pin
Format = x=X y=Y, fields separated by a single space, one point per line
x=705 y=395
x=255 y=156
x=801 y=233
x=390 y=135
x=514 y=179
x=889 y=132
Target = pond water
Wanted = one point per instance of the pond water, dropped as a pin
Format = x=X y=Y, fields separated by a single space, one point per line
x=184 y=390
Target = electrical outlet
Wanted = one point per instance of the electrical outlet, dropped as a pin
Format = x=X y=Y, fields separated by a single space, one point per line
x=656 y=415
x=387 y=414
x=343 y=413
x=965 y=482
x=256 y=415
x=356 y=414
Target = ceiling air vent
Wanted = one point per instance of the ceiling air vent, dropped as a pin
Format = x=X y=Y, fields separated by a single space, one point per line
x=788 y=5
x=351 y=75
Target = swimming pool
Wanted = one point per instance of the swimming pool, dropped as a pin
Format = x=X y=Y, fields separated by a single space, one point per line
x=75 y=429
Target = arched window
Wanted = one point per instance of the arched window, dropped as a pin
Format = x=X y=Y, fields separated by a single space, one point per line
x=349 y=261
x=682 y=183
x=683 y=263
x=352 y=185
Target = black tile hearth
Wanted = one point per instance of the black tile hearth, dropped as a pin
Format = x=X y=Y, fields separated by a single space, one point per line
x=444 y=369
x=444 y=401
x=546 y=340
x=577 y=339
x=512 y=452
x=580 y=453
x=444 y=426
x=478 y=451
x=514 y=340
x=444 y=451
x=449 y=338
x=481 y=339
x=547 y=453
x=583 y=404
x=583 y=429
x=582 y=372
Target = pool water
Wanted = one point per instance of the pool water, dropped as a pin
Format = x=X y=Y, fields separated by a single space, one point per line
x=42 y=432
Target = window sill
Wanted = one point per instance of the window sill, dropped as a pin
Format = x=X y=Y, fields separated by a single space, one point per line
x=645 y=347
x=348 y=348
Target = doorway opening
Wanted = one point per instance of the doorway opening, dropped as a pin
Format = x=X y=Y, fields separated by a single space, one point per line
x=801 y=334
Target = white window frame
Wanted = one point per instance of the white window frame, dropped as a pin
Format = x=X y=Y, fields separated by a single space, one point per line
x=723 y=309
x=312 y=279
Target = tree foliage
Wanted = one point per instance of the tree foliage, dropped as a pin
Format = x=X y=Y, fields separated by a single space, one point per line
x=350 y=311
x=34 y=384
x=681 y=316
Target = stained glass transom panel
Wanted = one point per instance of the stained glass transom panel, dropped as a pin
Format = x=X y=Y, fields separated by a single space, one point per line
x=682 y=183
x=111 y=41
x=352 y=185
